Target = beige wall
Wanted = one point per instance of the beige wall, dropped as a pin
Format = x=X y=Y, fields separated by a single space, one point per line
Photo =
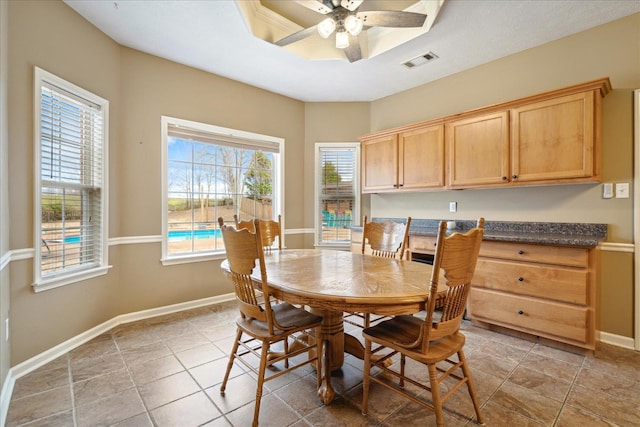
x=4 y=191
x=328 y=122
x=611 y=50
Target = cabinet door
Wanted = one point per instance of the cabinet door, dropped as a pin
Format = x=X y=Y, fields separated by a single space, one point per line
x=478 y=150
x=380 y=164
x=421 y=158
x=553 y=139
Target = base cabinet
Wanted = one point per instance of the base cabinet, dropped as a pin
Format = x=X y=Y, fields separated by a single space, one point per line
x=547 y=291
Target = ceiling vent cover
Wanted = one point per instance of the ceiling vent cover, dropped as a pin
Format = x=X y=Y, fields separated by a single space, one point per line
x=422 y=59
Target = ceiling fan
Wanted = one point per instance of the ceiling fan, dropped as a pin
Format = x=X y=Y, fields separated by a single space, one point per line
x=347 y=22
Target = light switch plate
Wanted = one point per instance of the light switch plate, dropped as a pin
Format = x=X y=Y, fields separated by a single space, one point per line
x=622 y=190
x=607 y=190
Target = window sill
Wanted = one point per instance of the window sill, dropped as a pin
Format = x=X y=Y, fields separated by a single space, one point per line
x=46 y=285
x=186 y=259
x=336 y=246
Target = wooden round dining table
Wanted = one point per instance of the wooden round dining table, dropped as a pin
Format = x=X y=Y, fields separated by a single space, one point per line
x=331 y=282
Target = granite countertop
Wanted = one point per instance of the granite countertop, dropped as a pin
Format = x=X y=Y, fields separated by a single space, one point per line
x=565 y=234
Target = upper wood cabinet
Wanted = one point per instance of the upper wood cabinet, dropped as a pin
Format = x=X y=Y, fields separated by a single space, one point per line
x=410 y=160
x=554 y=139
x=548 y=138
x=380 y=164
x=478 y=150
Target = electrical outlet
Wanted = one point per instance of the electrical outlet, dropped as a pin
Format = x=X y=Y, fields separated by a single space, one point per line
x=607 y=190
x=453 y=206
x=622 y=190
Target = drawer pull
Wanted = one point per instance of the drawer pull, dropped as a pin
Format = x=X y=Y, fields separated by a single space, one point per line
x=520 y=252
x=520 y=312
x=520 y=279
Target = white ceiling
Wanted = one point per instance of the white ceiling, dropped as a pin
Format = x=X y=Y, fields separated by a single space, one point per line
x=212 y=35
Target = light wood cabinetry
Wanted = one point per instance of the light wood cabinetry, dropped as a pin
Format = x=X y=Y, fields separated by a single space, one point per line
x=547 y=291
x=478 y=150
x=380 y=164
x=554 y=140
x=409 y=160
x=550 y=141
x=549 y=138
x=422 y=245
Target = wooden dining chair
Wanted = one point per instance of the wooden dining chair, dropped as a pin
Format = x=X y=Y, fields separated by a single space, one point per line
x=430 y=340
x=384 y=239
x=263 y=324
x=271 y=231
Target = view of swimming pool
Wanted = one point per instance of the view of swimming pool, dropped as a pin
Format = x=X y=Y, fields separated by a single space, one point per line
x=177 y=235
x=174 y=236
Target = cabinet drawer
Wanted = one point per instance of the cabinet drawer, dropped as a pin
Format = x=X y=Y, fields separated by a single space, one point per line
x=422 y=244
x=539 y=317
x=572 y=257
x=551 y=282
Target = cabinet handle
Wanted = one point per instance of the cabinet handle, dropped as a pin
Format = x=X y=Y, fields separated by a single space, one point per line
x=400 y=185
x=514 y=176
x=504 y=178
x=520 y=312
x=520 y=279
x=435 y=243
x=521 y=252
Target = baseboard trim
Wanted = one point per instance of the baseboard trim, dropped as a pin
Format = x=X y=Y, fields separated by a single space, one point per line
x=5 y=397
x=53 y=353
x=617 y=340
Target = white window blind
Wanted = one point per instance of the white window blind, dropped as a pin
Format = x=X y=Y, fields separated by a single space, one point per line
x=71 y=149
x=338 y=192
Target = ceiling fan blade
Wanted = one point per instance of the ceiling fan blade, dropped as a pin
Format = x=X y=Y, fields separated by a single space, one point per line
x=302 y=34
x=392 y=18
x=353 y=51
x=320 y=6
x=351 y=4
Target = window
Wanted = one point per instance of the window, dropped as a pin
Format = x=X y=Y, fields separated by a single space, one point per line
x=71 y=176
x=337 y=192
x=212 y=172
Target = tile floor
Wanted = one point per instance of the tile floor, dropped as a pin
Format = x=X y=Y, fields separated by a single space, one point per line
x=167 y=371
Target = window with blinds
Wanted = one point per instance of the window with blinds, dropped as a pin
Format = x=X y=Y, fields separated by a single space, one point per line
x=338 y=191
x=71 y=164
x=212 y=172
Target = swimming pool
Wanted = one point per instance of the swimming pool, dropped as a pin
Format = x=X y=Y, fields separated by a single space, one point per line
x=178 y=235
x=174 y=236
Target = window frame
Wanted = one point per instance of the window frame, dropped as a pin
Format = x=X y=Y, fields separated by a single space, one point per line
x=238 y=137
x=42 y=77
x=318 y=190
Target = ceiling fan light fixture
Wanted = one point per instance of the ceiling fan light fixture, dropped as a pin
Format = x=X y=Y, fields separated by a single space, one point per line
x=326 y=27
x=342 y=40
x=353 y=24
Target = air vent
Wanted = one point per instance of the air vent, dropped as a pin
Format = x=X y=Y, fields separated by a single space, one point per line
x=422 y=59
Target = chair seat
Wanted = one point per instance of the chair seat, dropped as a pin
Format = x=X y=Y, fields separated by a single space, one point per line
x=405 y=330
x=287 y=316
